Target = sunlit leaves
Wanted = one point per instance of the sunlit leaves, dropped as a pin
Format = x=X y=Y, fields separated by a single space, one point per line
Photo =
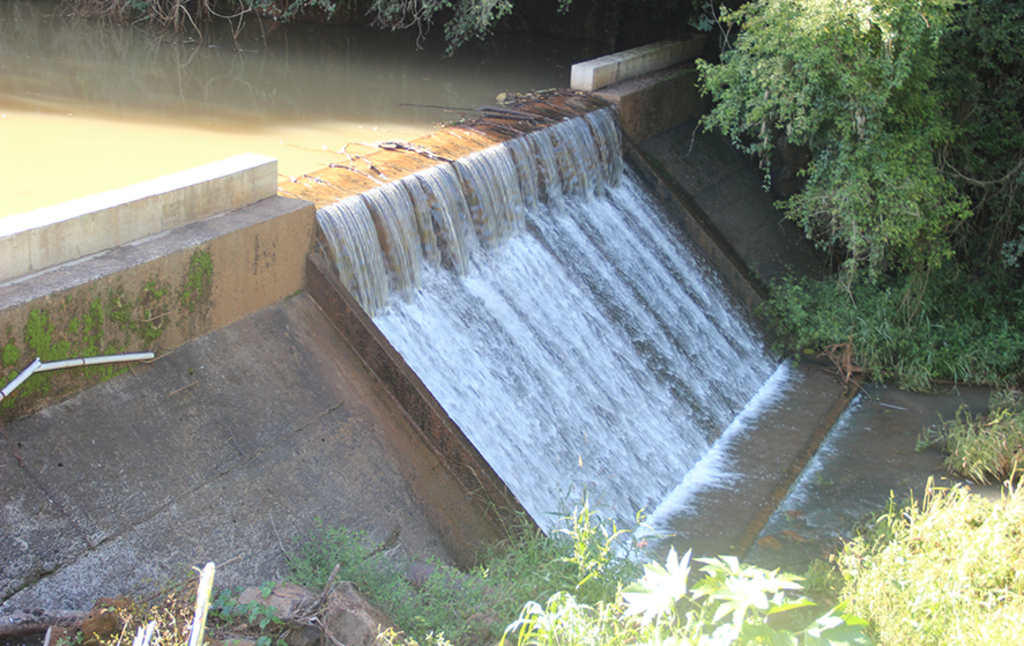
x=849 y=79
x=657 y=592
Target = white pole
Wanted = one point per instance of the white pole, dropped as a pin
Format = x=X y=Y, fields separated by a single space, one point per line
x=39 y=366
x=202 y=604
x=25 y=374
x=92 y=361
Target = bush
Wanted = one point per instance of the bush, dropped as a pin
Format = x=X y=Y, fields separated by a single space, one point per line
x=985 y=448
x=947 y=570
x=732 y=604
x=965 y=327
x=589 y=557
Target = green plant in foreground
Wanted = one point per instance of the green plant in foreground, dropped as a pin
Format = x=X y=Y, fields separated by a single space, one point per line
x=585 y=557
x=732 y=604
x=948 y=569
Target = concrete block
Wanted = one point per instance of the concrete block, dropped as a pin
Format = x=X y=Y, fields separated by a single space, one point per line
x=654 y=103
x=57 y=234
x=621 y=66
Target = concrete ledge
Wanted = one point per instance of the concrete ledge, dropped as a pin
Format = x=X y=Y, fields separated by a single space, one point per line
x=47 y=237
x=497 y=511
x=657 y=102
x=151 y=294
x=592 y=75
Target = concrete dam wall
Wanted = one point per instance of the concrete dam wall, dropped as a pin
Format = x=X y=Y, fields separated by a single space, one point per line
x=274 y=401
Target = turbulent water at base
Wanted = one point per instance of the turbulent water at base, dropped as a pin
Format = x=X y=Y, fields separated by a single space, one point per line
x=555 y=313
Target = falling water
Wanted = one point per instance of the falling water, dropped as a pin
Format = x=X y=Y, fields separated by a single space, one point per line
x=555 y=313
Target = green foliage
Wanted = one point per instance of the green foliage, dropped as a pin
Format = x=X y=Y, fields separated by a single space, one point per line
x=850 y=80
x=10 y=355
x=732 y=604
x=467 y=19
x=224 y=607
x=985 y=448
x=910 y=329
x=586 y=558
x=982 y=87
x=198 y=280
x=945 y=570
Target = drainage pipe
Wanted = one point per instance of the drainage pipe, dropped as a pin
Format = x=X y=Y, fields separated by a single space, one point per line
x=39 y=366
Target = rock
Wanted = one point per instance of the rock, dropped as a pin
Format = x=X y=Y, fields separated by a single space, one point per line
x=100 y=625
x=302 y=635
x=770 y=543
x=287 y=599
x=352 y=620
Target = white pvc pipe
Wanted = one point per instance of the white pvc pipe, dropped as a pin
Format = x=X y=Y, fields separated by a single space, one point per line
x=25 y=374
x=39 y=366
x=91 y=361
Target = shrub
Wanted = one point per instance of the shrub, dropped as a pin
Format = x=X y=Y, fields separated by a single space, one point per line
x=986 y=448
x=948 y=569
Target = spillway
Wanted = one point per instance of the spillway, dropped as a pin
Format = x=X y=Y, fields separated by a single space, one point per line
x=544 y=298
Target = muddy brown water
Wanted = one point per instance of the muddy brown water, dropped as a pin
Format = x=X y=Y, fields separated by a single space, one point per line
x=87 y=107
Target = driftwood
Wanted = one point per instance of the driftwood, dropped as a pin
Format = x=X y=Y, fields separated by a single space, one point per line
x=30 y=622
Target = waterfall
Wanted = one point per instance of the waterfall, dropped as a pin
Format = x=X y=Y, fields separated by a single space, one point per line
x=546 y=301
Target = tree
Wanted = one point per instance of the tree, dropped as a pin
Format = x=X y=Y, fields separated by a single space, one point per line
x=850 y=80
x=468 y=18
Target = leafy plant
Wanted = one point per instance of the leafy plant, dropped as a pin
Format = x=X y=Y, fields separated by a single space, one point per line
x=946 y=569
x=849 y=79
x=985 y=448
x=732 y=604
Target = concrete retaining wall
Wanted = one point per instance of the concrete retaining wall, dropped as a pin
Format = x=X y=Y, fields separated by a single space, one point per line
x=47 y=237
x=151 y=294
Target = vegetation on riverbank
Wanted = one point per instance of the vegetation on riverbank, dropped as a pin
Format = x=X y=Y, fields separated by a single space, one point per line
x=909 y=113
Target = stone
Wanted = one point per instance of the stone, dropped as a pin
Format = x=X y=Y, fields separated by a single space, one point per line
x=352 y=620
x=287 y=599
x=102 y=623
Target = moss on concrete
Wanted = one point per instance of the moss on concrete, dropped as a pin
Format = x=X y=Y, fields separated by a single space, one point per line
x=90 y=324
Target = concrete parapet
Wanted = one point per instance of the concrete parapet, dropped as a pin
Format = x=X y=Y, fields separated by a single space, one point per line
x=150 y=294
x=36 y=240
x=595 y=74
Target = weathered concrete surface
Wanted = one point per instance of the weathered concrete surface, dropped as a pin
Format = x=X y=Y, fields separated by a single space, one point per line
x=151 y=294
x=656 y=102
x=760 y=465
x=229 y=446
x=33 y=241
x=723 y=188
x=595 y=74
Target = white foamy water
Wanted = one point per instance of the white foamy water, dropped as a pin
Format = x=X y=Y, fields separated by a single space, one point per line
x=585 y=347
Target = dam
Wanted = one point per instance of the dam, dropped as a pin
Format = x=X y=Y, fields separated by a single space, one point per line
x=426 y=341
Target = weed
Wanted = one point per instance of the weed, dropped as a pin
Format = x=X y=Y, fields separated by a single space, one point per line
x=947 y=569
x=984 y=448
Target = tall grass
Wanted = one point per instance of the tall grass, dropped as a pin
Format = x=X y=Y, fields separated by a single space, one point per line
x=986 y=448
x=946 y=570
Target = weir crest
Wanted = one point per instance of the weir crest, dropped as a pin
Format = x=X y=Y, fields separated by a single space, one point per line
x=576 y=337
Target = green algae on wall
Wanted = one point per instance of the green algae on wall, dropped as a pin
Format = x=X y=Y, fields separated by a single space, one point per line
x=96 y=323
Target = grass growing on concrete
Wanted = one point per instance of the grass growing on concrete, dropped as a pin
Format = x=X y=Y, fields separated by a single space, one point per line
x=985 y=448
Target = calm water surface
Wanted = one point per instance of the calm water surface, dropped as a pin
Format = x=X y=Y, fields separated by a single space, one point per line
x=87 y=107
